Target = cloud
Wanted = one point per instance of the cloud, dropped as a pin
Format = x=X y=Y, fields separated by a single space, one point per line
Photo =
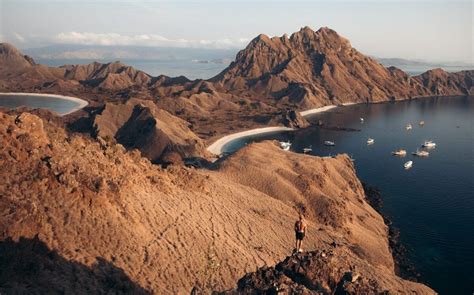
x=19 y=38
x=114 y=39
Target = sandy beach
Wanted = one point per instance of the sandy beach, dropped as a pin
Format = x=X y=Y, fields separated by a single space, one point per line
x=216 y=147
x=317 y=110
x=81 y=102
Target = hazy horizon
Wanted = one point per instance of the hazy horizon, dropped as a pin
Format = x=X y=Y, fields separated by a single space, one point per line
x=435 y=31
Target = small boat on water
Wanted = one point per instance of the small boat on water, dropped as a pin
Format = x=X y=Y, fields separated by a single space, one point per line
x=329 y=143
x=400 y=153
x=429 y=144
x=408 y=127
x=421 y=153
x=362 y=120
x=421 y=123
x=285 y=145
x=408 y=164
x=370 y=141
x=307 y=149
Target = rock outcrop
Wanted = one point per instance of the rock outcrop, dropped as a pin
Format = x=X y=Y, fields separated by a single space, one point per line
x=294 y=119
x=332 y=270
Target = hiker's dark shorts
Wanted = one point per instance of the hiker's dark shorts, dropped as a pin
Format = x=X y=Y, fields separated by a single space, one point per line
x=299 y=236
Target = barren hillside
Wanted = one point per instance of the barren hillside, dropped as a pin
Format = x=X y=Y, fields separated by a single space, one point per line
x=97 y=214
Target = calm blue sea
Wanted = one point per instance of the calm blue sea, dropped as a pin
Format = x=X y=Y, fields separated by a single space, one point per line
x=55 y=104
x=432 y=203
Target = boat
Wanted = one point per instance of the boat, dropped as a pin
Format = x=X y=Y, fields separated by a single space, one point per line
x=429 y=144
x=370 y=141
x=285 y=145
x=329 y=143
x=362 y=120
x=408 y=127
x=307 y=149
x=408 y=164
x=421 y=153
x=400 y=153
x=421 y=123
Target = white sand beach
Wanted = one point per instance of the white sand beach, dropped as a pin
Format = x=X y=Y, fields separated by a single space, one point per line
x=317 y=110
x=216 y=147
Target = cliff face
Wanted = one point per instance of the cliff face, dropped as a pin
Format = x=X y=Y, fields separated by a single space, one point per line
x=106 y=220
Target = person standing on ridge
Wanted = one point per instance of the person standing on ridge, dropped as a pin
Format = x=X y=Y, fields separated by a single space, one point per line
x=300 y=231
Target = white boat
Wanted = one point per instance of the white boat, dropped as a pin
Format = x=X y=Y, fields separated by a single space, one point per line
x=429 y=144
x=421 y=153
x=307 y=149
x=362 y=120
x=400 y=153
x=422 y=123
x=408 y=164
x=370 y=141
x=408 y=127
x=329 y=143
x=285 y=145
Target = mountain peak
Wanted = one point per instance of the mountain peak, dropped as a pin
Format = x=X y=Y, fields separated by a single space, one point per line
x=265 y=55
x=10 y=55
x=306 y=29
x=7 y=48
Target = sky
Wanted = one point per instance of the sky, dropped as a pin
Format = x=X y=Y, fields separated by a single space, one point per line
x=439 y=31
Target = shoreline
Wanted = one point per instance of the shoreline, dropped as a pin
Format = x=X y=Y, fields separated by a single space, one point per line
x=404 y=267
x=81 y=102
x=317 y=110
x=216 y=147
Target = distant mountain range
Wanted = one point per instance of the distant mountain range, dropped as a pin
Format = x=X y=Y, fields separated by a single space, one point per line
x=195 y=55
x=81 y=52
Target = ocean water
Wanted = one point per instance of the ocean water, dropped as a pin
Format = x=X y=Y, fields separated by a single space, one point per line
x=433 y=202
x=55 y=104
x=173 y=68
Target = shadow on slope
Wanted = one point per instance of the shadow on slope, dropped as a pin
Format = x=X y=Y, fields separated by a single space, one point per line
x=29 y=266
